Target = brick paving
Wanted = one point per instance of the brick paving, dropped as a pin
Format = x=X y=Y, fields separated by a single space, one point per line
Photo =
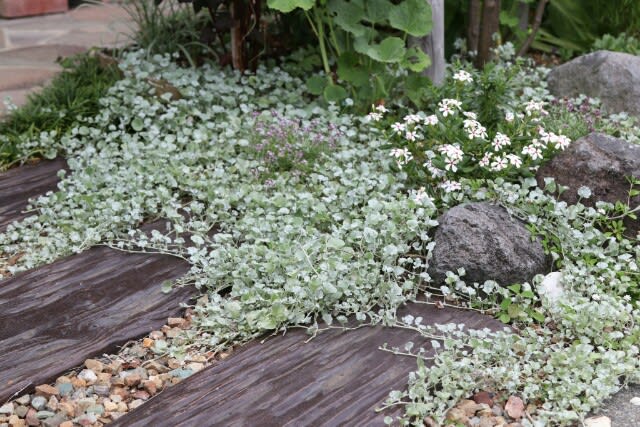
x=30 y=47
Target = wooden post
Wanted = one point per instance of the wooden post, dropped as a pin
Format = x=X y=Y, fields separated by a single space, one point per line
x=473 y=30
x=433 y=43
x=237 y=36
x=490 y=26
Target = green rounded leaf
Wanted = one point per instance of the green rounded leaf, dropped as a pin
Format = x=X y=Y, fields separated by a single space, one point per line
x=377 y=11
x=347 y=15
x=335 y=93
x=391 y=49
x=412 y=17
x=416 y=60
x=137 y=124
x=350 y=69
x=287 y=6
x=316 y=84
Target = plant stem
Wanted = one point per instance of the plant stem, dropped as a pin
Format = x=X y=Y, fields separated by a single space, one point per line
x=323 y=47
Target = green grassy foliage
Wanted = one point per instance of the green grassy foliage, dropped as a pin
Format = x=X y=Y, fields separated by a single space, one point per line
x=74 y=93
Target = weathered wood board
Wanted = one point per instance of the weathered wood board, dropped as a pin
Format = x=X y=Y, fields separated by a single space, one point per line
x=336 y=379
x=19 y=184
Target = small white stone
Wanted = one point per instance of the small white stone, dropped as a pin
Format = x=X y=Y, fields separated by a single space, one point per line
x=635 y=401
x=88 y=375
x=601 y=421
x=551 y=286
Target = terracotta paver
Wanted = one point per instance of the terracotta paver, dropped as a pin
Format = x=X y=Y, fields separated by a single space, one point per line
x=30 y=47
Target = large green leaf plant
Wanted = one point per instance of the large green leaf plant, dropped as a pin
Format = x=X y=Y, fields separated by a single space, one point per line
x=363 y=45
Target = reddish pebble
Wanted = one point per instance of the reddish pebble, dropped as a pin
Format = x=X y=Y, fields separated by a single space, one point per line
x=150 y=386
x=140 y=394
x=46 y=390
x=31 y=418
x=514 y=407
x=483 y=397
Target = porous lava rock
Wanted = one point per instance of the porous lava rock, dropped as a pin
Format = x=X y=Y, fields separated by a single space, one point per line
x=488 y=243
x=602 y=163
x=614 y=77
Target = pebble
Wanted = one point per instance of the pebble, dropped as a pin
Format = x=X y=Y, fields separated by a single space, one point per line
x=181 y=373
x=95 y=409
x=6 y=409
x=86 y=419
x=38 y=403
x=66 y=424
x=67 y=409
x=44 y=414
x=53 y=403
x=46 y=390
x=16 y=421
x=94 y=365
x=136 y=403
x=110 y=406
x=31 y=418
x=101 y=390
x=65 y=389
x=24 y=400
x=132 y=380
x=88 y=376
x=21 y=411
x=176 y=322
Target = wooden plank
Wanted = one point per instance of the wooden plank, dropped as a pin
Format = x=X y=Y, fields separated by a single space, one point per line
x=338 y=378
x=19 y=184
x=55 y=317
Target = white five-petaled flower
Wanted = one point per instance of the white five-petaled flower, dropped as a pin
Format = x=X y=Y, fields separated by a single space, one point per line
x=451 y=186
x=532 y=151
x=402 y=155
x=562 y=142
x=410 y=136
x=453 y=152
x=499 y=164
x=381 y=108
x=431 y=120
x=398 y=127
x=412 y=118
x=474 y=129
x=486 y=159
x=374 y=116
x=514 y=160
x=509 y=116
x=449 y=106
x=532 y=107
x=470 y=114
x=463 y=76
x=499 y=141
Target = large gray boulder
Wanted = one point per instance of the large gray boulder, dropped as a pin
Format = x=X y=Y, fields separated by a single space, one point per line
x=600 y=162
x=613 y=77
x=488 y=243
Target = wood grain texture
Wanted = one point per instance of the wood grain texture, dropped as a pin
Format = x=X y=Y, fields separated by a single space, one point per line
x=55 y=317
x=336 y=379
x=20 y=184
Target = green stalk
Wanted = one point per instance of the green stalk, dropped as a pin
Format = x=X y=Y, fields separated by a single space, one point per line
x=323 y=47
